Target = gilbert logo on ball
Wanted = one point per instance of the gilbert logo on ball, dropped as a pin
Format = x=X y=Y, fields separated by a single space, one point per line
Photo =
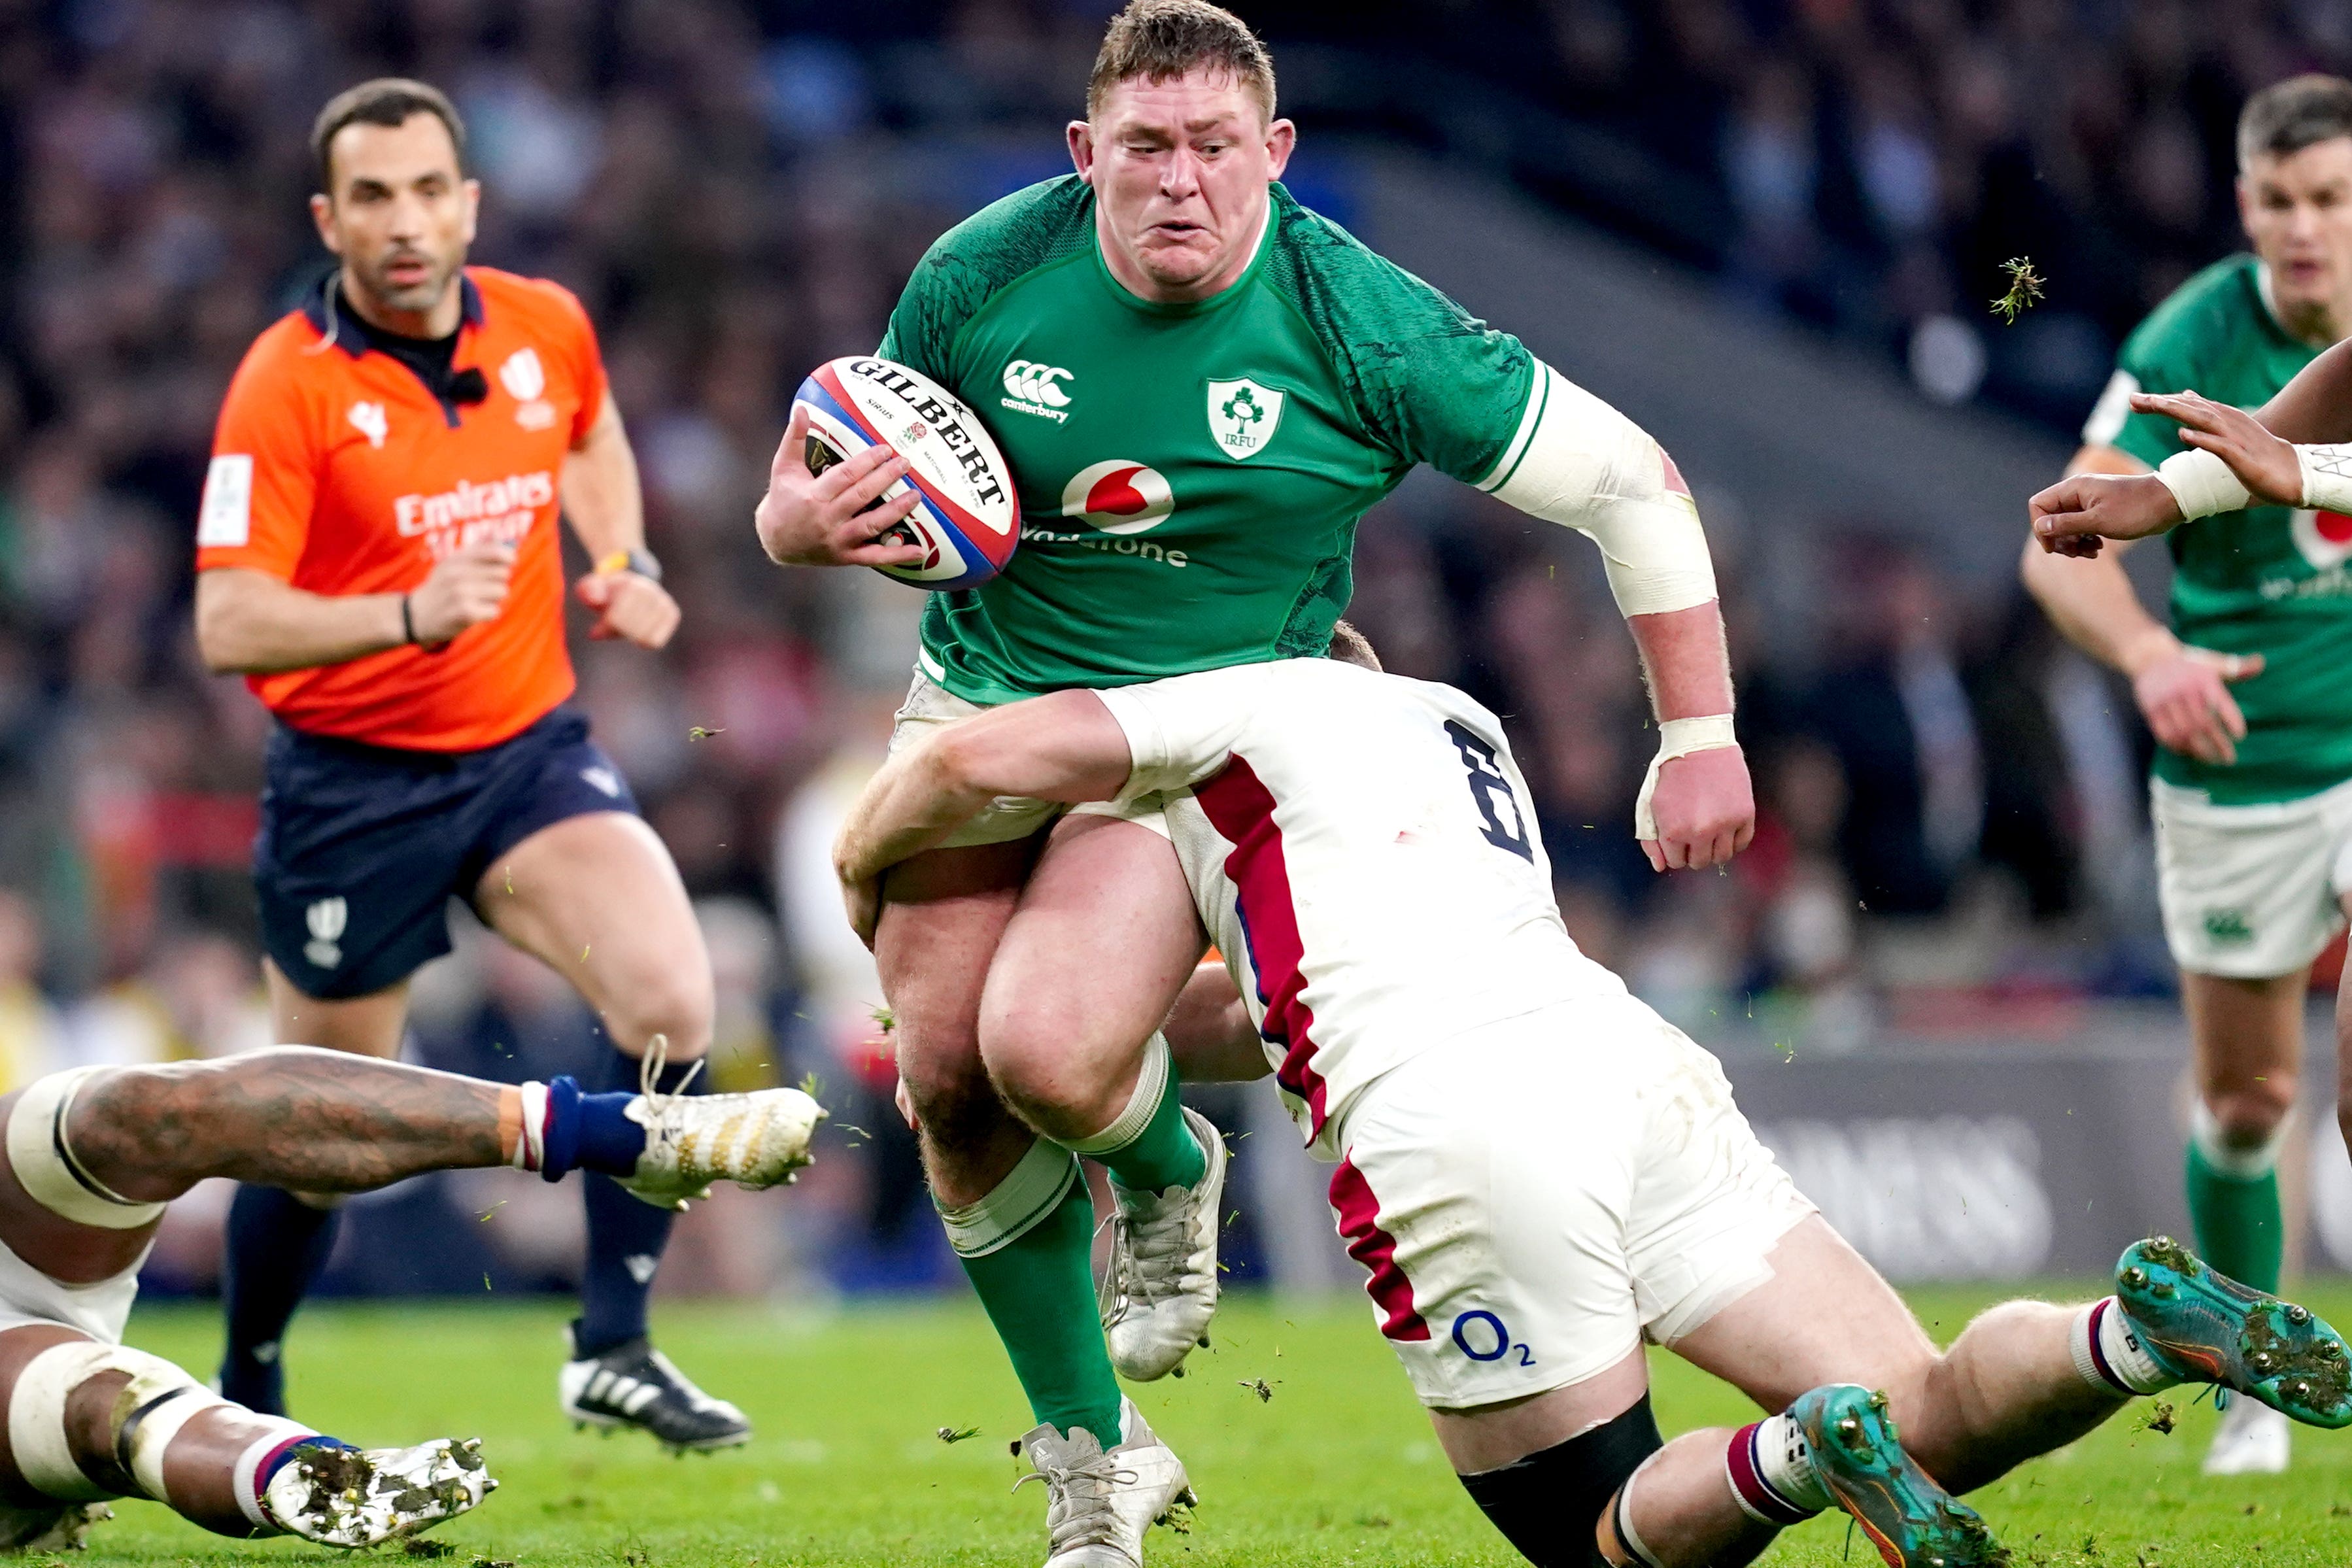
x=967 y=518
x=1117 y=497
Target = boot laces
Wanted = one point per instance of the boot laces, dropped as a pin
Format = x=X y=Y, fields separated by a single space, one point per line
x=1080 y=1512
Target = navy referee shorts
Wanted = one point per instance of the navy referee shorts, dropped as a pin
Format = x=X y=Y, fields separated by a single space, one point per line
x=362 y=847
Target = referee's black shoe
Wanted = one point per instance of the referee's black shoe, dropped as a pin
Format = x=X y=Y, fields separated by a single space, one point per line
x=634 y=1385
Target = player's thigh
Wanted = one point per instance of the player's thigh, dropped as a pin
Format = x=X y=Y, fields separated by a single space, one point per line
x=944 y=913
x=1821 y=1315
x=2246 y=1037
x=597 y=897
x=1102 y=942
x=366 y=1026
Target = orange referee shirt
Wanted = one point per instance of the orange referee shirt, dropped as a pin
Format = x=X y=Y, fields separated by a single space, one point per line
x=335 y=469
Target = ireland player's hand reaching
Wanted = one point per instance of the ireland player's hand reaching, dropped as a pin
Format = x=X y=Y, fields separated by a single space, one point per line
x=808 y=519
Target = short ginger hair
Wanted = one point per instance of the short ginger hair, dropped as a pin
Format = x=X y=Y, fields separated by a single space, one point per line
x=1161 y=40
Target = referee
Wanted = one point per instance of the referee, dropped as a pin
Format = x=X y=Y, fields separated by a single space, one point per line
x=377 y=554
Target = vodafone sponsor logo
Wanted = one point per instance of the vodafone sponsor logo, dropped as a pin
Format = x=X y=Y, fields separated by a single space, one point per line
x=1116 y=500
x=1119 y=496
x=502 y=509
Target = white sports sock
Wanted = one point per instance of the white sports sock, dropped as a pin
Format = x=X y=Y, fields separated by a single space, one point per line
x=1770 y=1468
x=2108 y=1354
x=1151 y=1085
x=2244 y=1164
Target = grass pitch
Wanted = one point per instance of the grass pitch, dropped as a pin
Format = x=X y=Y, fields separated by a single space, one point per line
x=1338 y=1466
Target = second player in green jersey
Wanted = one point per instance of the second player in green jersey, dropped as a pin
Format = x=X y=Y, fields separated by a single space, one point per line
x=2245 y=690
x=2269 y=580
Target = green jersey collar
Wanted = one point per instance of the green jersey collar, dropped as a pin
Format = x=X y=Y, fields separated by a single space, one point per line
x=1275 y=197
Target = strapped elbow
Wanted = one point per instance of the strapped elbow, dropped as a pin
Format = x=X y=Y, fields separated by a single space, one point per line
x=1577 y=461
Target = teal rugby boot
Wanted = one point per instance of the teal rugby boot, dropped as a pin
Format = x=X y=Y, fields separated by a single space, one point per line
x=2204 y=1327
x=1913 y=1523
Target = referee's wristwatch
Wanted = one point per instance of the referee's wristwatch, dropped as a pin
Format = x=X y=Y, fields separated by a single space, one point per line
x=638 y=559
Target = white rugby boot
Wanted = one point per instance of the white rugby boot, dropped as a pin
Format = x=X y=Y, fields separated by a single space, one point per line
x=1160 y=1290
x=754 y=1140
x=2253 y=1440
x=365 y=1497
x=1099 y=1505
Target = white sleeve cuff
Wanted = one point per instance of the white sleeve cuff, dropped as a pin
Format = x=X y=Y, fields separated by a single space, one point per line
x=1147 y=745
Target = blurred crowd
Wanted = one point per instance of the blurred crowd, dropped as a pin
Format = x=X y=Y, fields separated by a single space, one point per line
x=1877 y=162
x=1951 y=803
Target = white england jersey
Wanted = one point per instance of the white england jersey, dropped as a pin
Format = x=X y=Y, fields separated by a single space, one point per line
x=1360 y=849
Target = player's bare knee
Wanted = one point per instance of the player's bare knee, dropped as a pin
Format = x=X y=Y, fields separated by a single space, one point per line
x=676 y=1006
x=2249 y=1115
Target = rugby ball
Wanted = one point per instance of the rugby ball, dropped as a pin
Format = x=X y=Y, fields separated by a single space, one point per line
x=968 y=520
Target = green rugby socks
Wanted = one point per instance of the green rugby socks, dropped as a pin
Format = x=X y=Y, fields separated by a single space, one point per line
x=2234 y=1201
x=1149 y=1148
x=1027 y=1249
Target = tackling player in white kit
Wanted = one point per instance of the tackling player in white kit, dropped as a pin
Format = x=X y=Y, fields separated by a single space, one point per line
x=1538 y=1171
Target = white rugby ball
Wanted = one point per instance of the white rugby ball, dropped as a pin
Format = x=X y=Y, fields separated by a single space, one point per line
x=968 y=517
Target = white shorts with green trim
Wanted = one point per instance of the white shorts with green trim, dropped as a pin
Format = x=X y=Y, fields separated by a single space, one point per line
x=2251 y=892
x=1537 y=1198
x=929 y=705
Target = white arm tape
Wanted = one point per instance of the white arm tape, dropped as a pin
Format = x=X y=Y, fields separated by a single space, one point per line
x=1677 y=738
x=2326 y=476
x=2202 y=485
x=1578 y=462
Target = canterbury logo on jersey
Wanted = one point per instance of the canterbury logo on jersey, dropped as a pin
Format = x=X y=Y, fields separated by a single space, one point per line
x=1032 y=386
x=470 y=502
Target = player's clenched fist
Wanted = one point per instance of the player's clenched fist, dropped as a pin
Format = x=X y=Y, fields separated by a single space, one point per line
x=2072 y=516
x=633 y=607
x=464 y=590
x=820 y=520
x=1705 y=808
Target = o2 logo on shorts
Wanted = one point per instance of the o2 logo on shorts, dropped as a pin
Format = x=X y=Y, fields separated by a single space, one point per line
x=1480 y=1335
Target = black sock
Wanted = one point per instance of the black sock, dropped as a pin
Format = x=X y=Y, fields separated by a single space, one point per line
x=626 y=1238
x=277 y=1246
x=1547 y=1503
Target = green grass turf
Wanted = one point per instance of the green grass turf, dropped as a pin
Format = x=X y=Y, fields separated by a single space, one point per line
x=1337 y=1468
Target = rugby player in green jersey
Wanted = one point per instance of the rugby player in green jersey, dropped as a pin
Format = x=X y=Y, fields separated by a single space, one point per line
x=2246 y=691
x=1199 y=387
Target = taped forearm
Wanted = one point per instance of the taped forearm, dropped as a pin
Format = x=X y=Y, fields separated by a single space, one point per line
x=1578 y=462
x=2203 y=484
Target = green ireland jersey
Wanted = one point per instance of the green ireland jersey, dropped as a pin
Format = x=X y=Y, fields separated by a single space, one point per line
x=1191 y=475
x=2270 y=580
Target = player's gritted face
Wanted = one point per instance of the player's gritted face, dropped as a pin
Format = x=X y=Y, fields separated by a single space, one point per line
x=401 y=216
x=2297 y=211
x=1180 y=169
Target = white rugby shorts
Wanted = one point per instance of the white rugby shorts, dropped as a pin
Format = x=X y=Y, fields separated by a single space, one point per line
x=929 y=705
x=2251 y=892
x=1536 y=1198
x=99 y=1309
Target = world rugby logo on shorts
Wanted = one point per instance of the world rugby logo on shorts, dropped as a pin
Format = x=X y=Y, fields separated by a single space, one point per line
x=326 y=919
x=525 y=379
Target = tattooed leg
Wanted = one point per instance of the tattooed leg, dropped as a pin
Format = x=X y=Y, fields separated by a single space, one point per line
x=313 y=1120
